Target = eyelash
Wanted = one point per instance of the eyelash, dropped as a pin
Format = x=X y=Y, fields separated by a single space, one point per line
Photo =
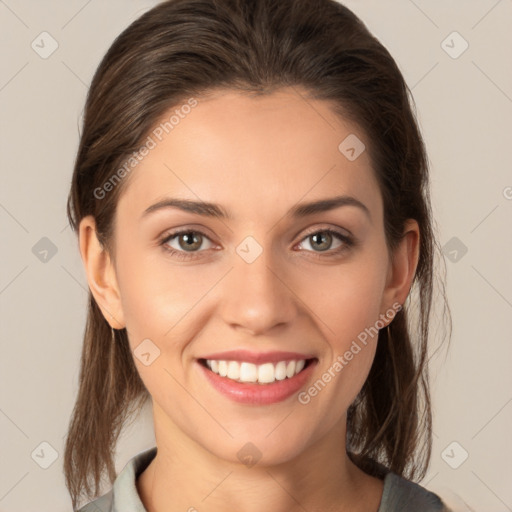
x=348 y=243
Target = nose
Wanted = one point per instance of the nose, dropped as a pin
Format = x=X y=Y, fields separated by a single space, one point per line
x=258 y=296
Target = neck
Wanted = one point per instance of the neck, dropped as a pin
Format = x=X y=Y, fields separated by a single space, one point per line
x=184 y=476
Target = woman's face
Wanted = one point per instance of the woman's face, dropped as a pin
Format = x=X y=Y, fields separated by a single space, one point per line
x=256 y=281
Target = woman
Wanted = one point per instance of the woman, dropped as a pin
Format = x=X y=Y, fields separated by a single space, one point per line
x=252 y=205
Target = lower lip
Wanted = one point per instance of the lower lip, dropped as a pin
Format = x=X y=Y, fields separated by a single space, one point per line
x=259 y=394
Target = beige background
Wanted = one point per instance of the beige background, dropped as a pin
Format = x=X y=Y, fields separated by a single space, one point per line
x=464 y=106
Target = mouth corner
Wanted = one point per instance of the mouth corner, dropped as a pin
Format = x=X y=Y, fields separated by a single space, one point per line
x=310 y=361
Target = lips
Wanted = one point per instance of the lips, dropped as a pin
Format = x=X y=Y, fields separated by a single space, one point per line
x=257 y=378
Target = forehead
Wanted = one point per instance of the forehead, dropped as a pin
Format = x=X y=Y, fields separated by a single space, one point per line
x=252 y=154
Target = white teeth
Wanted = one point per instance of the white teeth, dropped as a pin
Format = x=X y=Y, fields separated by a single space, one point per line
x=233 y=370
x=248 y=372
x=266 y=373
x=300 y=365
x=223 y=368
x=290 y=369
x=280 y=372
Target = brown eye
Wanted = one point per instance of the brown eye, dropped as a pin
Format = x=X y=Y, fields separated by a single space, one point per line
x=322 y=240
x=188 y=241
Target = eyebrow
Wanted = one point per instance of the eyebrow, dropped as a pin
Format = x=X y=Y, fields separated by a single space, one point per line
x=216 y=211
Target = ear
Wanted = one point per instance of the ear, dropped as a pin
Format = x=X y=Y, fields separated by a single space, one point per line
x=100 y=273
x=402 y=266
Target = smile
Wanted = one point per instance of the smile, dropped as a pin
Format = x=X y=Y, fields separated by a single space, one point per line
x=256 y=380
x=249 y=372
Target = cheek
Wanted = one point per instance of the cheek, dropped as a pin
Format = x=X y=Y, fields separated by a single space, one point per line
x=348 y=300
x=348 y=305
x=156 y=294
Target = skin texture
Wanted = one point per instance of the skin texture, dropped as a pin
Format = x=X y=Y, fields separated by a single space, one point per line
x=257 y=158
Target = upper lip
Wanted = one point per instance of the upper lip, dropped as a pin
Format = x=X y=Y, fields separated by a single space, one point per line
x=257 y=357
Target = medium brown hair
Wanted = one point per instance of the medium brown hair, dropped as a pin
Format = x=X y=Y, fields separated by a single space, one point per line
x=187 y=48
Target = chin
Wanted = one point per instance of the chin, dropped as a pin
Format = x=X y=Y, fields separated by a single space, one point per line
x=257 y=446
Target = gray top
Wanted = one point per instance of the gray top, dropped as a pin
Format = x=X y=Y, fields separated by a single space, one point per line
x=399 y=494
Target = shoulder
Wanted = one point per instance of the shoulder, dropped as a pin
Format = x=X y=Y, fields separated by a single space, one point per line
x=102 y=504
x=400 y=494
x=123 y=496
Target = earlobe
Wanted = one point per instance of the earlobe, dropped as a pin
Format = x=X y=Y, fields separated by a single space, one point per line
x=100 y=272
x=403 y=266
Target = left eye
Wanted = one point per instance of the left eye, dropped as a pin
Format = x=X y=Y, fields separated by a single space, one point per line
x=323 y=240
x=188 y=241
